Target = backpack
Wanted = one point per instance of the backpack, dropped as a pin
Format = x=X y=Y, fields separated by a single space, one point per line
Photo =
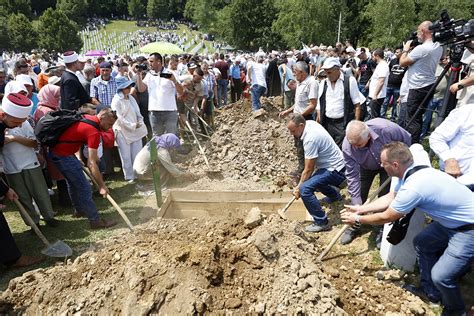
x=400 y=226
x=51 y=126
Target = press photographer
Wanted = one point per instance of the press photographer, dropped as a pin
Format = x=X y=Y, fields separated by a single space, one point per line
x=421 y=61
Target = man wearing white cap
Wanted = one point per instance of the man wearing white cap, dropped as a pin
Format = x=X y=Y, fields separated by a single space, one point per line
x=339 y=100
x=15 y=110
x=73 y=94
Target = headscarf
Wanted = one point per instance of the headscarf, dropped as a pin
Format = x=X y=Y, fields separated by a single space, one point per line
x=167 y=141
x=49 y=96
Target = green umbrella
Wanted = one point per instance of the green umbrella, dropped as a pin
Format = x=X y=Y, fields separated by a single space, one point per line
x=162 y=48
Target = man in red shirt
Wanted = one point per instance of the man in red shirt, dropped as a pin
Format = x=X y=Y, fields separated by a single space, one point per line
x=223 y=81
x=64 y=156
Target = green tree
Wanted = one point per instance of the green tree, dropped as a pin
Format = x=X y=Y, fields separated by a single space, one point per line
x=136 y=8
x=4 y=40
x=390 y=22
x=59 y=33
x=158 y=9
x=74 y=9
x=39 y=6
x=204 y=12
x=247 y=24
x=22 y=36
x=430 y=9
x=16 y=6
x=305 y=21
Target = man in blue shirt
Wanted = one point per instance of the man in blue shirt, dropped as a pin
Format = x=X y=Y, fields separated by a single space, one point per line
x=445 y=248
x=104 y=87
x=235 y=83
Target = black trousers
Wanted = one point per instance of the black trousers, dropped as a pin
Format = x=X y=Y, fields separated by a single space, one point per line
x=299 y=154
x=415 y=97
x=366 y=179
x=336 y=129
x=9 y=252
x=375 y=106
x=235 y=90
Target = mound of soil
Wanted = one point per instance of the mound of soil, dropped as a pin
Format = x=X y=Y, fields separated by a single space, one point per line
x=261 y=265
x=249 y=145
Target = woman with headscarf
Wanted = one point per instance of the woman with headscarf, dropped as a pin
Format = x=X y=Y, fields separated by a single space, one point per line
x=129 y=128
x=48 y=97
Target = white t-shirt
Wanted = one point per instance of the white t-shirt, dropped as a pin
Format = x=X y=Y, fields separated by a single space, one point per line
x=161 y=93
x=319 y=145
x=422 y=72
x=18 y=157
x=305 y=90
x=381 y=71
x=259 y=71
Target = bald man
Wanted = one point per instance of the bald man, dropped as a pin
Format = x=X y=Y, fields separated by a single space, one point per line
x=361 y=149
x=421 y=76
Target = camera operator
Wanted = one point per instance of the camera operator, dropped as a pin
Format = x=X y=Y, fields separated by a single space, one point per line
x=421 y=75
x=161 y=96
x=466 y=86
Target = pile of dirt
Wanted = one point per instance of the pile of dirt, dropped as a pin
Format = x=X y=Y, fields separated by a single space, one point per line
x=260 y=264
x=249 y=145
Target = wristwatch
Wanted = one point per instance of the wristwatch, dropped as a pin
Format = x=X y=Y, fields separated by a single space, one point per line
x=357 y=220
x=460 y=86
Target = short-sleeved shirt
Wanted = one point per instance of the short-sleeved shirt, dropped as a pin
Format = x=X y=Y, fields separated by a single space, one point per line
x=13 y=150
x=319 y=145
x=366 y=68
x=76 y=135
x=335 y=97
x=161 y=93
x=192 y=89
x=422 y=72
x=445 y=200
x=381 y=71
x=103 y=90
x=305 y=91
x=396 y=74
x=223 y=67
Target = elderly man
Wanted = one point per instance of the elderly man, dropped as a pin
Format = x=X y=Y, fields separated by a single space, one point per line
x=452 y=142
x=339 y=100
x=162 y=89
x=445 y=248
x=85 y=132
x=421 y=75
x=306 y=99
x=15 y=109
x=323 y=169
x=73 y=94
x=104 y=87
x=361 y=150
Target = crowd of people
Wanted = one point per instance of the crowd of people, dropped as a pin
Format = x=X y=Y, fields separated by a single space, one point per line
x=353 y=112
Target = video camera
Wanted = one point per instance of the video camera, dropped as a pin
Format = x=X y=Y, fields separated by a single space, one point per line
x=414 y=39
x=141 y=67
x=450 y=31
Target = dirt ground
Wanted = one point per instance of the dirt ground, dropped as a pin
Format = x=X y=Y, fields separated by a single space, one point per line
x=250 y=263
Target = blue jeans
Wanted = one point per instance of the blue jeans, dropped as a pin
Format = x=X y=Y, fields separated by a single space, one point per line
x=395 y=93
x=222 y=85
x=444 y=255
x=320 y=181
x=78 y=187
x=434 y=105
x=362 y=90
x=402 y=114
x=164 y=122
x=257 y=92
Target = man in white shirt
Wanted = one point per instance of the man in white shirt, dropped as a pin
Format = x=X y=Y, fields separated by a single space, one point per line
x=323 y=169
x=421 y=75
x=161 y=96
x=378 y=83
x=452 y=141
x=256 y=78
x=339 y=100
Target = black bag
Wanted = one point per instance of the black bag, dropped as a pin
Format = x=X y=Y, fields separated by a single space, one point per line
x=400 y=226
x=51 y=126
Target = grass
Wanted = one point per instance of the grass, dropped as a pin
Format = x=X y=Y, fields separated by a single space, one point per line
x=74 y=232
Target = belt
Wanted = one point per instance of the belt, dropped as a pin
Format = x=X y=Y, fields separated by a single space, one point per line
x=336 y=120
x=465 y=228
x=343 y=169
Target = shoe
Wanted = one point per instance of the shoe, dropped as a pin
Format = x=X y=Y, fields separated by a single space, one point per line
x=102 y=223
x=26 y=261
x=52 y=222
x=378 y=238
x=418 y=291
x=78 y=215
x=348 y=236
x=316 y=228
x=132 y=181
x=328 y=200
x=50 y=192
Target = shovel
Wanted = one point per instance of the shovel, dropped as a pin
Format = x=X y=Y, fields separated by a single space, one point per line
x=343 y=229
x=59 y=249
x=282 y=212
x=111 y=200
x=199 y=145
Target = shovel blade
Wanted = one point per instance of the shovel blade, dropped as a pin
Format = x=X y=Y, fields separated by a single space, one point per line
x=58 y=249
x=282 y=213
